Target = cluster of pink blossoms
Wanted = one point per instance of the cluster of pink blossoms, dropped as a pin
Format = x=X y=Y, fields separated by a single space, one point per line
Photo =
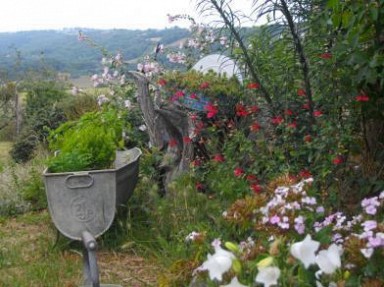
x=285 y=207
x=110 y=72
x=179 y=58
x=362 y=226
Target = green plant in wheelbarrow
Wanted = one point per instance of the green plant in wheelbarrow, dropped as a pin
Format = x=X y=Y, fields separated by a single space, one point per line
x=89 y=143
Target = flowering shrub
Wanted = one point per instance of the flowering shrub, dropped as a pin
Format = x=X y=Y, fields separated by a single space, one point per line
x=297 y=251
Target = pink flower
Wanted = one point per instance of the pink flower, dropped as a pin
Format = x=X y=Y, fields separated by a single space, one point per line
x=211 y=109
x=274 y=219
x=317 y=113
x=193 y=96
x=238 y=171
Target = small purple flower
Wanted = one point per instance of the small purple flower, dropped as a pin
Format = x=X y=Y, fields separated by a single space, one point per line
x=369 y=225
x=374 y=242
x=370 y=209
x=320 y=209
x=274 y=219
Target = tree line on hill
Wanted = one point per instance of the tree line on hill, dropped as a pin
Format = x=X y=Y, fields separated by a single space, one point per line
x=60 y=50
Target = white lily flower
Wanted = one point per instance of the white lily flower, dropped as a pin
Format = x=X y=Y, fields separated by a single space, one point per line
x=329 y=260
x=305 y=250
x=234 y=283
x=218 y=263
x=268 y=276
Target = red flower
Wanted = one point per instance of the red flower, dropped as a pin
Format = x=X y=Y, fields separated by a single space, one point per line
x=193 y=117
x=218 y=158
x=256 y=188
x=238 y=171
x=253 y=109
x=306 y=106
x=211 y=109
x=317 y=113
x=255 y=127
x=187 y=139
x=204 y=85
x=172 y=142
x=162 y=82
x=305 y=173
x=363 y=97
x=288 y=112
x=179 y=94
x=292 y=125
x=337 y=160
x=326 y=56
x=301 y=92
x=196 y=162
x=193 y=96
x=241 y=111
x=253 y=86
x=307 y=138
x=252 y=178
x=199 y=186
x=277 y=120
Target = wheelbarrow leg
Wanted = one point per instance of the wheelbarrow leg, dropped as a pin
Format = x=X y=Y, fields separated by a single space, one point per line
x=91 y=271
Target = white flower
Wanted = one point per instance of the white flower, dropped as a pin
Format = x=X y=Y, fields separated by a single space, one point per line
x=127 y=104
x=234 y=283
x=268 y=276
x=331 y=284
x=143 y=128
x=305 y=250
x=329 y=260
x=367 y=252
x=218 y=263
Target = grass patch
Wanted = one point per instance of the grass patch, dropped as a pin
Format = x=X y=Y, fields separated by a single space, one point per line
x=31 y=256
x=5 y=147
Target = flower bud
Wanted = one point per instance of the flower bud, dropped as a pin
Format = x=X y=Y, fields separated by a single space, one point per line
x=231 y=246
x=265 y=262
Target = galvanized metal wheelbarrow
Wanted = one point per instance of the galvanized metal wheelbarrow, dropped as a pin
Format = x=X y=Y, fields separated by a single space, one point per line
x=83 y=204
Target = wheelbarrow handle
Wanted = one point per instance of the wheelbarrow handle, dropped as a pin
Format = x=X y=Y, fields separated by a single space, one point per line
x=79 y=180
x=91 y=270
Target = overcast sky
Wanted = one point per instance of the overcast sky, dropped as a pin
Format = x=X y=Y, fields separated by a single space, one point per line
x=21 y=15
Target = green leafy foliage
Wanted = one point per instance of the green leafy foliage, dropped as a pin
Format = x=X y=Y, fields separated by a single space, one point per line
x=88 y=143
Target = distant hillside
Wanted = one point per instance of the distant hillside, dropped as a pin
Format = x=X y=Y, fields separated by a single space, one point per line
x=61 y=50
